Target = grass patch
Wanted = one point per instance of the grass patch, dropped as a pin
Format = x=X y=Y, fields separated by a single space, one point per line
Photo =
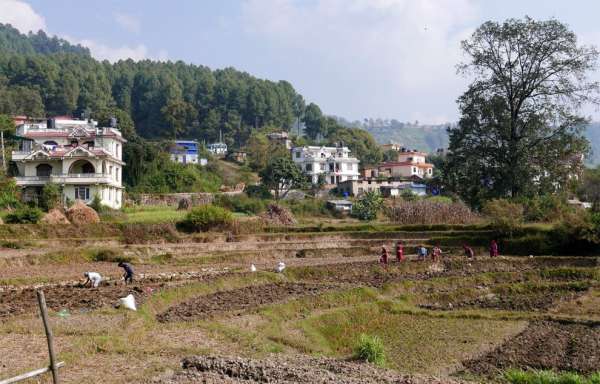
x=412 y=343
x=370 y=349
x=517 y=376
x=153 y=214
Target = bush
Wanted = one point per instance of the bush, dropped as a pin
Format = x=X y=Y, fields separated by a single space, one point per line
x=408 y=195
x=367 y=206
x=429 y=212
x=51 y=196
x=9 y=193
x=97 y=205
x=241 y=204
x=546 y=208
x=25 y=215
x=308 y=207
x=258 y=192
x=108 y=255
x=206 y=217
x=370 y=349
x=505 y=216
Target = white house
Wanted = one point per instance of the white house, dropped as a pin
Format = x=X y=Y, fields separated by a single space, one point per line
x=334 y=163
x=80 y=157
x=217 y=149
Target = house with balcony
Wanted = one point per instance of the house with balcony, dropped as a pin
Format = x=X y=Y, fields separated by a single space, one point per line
x=83 y=159
x=407 y=164
x=334 y=163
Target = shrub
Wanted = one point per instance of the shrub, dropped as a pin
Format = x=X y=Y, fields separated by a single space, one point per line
x=367 y=206
x=97 y=205
x=308 y=207
x=51 y=196
x=429 y=212
x=25 y=215
x=517 y=376
x=505 y=216
x=184 y=204
x=108 y=255
x=241 y=203
x=370 y=349
x=544 y=208
x=258 y=192
x=408 y=195
x=206 y=217
x=9 y=193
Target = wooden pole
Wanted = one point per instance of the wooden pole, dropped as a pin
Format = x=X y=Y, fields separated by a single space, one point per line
x=31 y=374
x=53 y=364
x=3 y=152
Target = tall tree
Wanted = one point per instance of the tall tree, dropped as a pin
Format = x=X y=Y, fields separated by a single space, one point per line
x=282 y=175
x=519 y=125
x=313 y=120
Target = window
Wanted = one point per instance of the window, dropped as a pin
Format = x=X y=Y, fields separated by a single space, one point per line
x=414 y=169
x=82 y=193
x=332 y=179
x=117 y=174
x=350 y=166
x=117 y=150
x=322 y=166
x=331 y=167
x=429 y=171
x=308 y=167
x=297 y=155
x=360 y=190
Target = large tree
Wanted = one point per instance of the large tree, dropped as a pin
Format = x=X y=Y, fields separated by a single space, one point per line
x=519 y=127
x=282 y=175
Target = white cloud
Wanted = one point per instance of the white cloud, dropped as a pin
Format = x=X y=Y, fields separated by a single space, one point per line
x=369 y=57
x=128 y=22
x=21 y=16
x=105 y=52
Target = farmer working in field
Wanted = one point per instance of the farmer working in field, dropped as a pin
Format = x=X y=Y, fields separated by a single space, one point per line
x=493 y=249
x=128 y=275
x=93 y=279
x=399 y=251
x=436 y=253
x=468 y=251
x=384 y=255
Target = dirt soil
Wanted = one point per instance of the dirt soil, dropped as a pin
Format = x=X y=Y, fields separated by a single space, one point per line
x=213 y=370
x=539 y=300
x=13 y=303
x=545 y=345
x=239 y=300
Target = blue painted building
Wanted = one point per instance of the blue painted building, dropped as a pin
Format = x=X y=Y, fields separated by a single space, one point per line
x=185 y=152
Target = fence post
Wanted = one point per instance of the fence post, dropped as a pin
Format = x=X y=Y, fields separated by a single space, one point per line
x=53 y=366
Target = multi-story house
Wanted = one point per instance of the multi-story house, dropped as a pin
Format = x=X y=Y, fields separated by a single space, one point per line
x=407 y=164
x=77 y=155
x=334 y=163
x=184 y=151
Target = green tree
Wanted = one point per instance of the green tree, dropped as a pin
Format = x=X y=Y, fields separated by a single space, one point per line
x=367 y=206
x=313 y=121
x=282 y=175
x=519 y=126
x=589 y=189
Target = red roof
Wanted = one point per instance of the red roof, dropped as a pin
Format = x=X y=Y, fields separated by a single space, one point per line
x=405 y=163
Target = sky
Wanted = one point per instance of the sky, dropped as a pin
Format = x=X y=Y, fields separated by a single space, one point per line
x=354 y=58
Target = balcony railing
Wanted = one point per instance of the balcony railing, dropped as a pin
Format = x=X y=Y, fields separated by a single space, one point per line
x=68 y=178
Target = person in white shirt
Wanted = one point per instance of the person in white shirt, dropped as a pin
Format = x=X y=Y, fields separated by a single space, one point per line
x=93 y=279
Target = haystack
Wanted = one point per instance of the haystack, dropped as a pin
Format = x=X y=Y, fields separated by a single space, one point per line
x=80 y=214
x=278 y=215
x=55 y=216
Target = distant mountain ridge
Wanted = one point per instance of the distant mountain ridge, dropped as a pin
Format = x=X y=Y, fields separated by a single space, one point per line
x=429 y=137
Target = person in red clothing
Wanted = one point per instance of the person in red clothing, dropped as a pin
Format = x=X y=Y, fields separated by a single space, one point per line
x=436 y=253
x=469 y=251
x=384 y=255
x=399 y=251
x=493 y=249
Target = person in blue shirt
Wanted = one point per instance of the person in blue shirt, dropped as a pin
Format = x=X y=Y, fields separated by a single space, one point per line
x=128 y=275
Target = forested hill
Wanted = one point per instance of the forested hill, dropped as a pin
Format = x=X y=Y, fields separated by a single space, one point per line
x=431 y=137
x=42 y=75
x=426 y=138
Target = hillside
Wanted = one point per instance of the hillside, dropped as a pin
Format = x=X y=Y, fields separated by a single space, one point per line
x=430 y=137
